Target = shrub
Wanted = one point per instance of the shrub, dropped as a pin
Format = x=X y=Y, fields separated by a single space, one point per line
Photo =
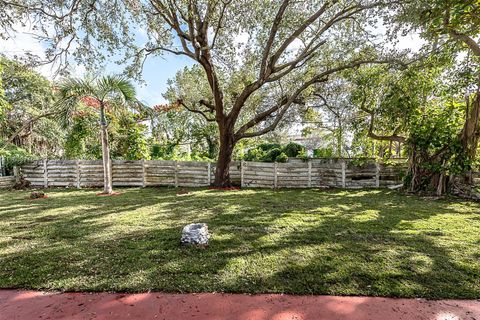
x=268 y=146
x=272 y=155
x=282 y=157
x=323 y=153
x=271 y=152
x=254 y=155
x=293 y=149
x=14 y=156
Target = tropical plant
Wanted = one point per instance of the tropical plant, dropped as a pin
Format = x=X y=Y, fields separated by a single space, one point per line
x=105 y=93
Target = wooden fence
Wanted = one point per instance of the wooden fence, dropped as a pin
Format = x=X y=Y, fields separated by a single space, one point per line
x=314 y=173
x=476 y=178
x=7 y=182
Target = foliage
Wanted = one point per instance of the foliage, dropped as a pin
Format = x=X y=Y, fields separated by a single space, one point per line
x=418 y=108
x=126 y=135
x=175 y=127
x=14 y=156
x=435 y=142
x=329 y=115
x=104 y=94
x=131 y=143
x=323 y=241
x=4 y=105
x=274 y=152
x=323 y=153
x=282 y=158
x=293 y=149
x=27 y=108
x=269 y=146
x=451 y=28
x=82 y=138
x=163 y=152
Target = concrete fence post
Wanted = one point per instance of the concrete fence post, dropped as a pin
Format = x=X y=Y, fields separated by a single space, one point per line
x=77 y=173
x=344 y=174
x=242 y=172
x=2 y=167
x=111 y=171
x=309 y=173
x=209 y=173
x=45 y=173
x=16 y=173
x=377 y=174
x=176 y=174
x=275 y=175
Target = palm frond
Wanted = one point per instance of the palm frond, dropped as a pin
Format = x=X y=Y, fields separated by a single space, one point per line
x=115 y=91
x=115 y=87
x=69 y=94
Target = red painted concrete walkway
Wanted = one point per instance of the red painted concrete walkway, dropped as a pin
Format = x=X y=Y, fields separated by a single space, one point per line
x=38 y=305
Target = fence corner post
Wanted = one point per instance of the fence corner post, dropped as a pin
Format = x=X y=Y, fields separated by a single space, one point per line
x=45 y=173
x=344 y=175
x=275 y=175
x=377 y=174
x=242 y=171
x=144 y=176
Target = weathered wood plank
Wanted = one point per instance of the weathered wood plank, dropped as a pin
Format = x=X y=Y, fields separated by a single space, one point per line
x=314 y=173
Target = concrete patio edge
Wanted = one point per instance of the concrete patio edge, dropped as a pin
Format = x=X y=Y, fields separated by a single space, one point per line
x=20 y=304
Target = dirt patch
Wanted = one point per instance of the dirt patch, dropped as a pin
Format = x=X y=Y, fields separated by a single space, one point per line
x=101 y=194
x=225 y=188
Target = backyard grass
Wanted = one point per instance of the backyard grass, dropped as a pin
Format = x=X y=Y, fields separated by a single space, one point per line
x=374 y=242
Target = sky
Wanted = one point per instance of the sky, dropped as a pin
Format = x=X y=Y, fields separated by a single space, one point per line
x=157 y=70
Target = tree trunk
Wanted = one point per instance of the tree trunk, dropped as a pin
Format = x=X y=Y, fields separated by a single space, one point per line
x=227 y=143
x=471 y=134
x=107 y=170
x=212 y=147
x=422 y=179
x=339 y=141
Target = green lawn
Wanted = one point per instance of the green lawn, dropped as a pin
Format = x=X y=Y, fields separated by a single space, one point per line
x=293 y=241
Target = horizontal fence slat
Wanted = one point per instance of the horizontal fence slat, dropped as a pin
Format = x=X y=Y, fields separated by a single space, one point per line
x=296 y=174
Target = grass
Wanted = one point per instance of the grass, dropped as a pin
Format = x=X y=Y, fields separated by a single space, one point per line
x=360 y=242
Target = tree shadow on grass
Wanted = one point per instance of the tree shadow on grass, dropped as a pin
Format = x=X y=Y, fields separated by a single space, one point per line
x=294 y=241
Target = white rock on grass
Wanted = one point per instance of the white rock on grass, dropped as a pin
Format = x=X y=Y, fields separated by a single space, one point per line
x=195 y=234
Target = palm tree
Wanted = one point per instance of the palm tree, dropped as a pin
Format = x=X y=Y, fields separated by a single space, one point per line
x=102 y=93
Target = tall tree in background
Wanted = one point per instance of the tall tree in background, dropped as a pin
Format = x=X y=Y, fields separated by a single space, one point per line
x=258 y=56
x=28 y=110
x=329 y=116
x=103 y=93
x=452 y=27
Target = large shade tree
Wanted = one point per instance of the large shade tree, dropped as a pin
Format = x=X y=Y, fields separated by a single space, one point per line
x=451 y=27
x=259 y=56
x=101 y=93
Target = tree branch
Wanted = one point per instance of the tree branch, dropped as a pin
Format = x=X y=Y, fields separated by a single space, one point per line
x=283 y=105
x=28 y=123
x=203 y=114
x=373 y=135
